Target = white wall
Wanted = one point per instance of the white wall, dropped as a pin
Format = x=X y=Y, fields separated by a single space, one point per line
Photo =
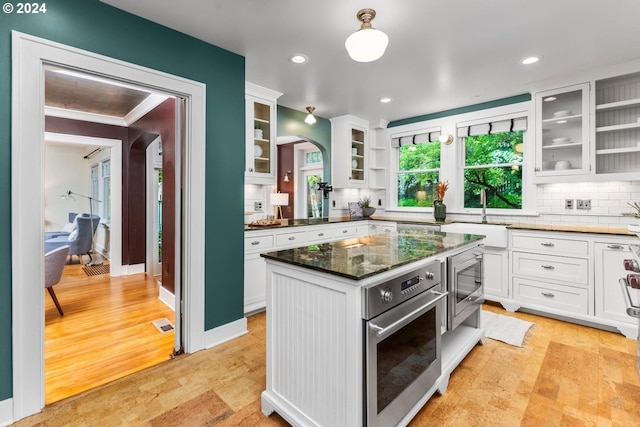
x=64 y=169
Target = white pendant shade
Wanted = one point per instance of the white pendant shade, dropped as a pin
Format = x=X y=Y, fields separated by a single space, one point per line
x=310 y=119
x=366 y=45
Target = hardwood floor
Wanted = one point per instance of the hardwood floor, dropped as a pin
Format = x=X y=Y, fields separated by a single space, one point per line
x=565 y=375
x=106 y=332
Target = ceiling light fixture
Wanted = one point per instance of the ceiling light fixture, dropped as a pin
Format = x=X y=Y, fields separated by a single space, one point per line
x=446 y=138
x=530 y=60
x=298 y=58
x=550 y=98
x=367 y=44
x=310 y=117
x=385 y=100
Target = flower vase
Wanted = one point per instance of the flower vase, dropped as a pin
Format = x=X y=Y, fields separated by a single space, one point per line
x=439 y=210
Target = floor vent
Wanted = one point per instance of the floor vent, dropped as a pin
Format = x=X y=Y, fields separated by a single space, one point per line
x=96 y=270
x=163 y=325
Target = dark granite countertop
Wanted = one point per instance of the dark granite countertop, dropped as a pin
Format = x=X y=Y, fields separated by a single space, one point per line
x=285 y=223
x=362 y=257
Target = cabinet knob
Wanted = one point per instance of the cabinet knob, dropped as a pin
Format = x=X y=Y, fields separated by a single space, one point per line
x=292 y=238
x=536 y=169
x=320 y=234
x=256 y=242
x=250 y=169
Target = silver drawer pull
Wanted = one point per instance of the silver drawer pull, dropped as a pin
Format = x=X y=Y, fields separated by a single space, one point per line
x=320 y=234
x=256 y=242
x=548 y=267
x=548 y=244
x=345 y=231
x=292 y=238
x=615 y=246
x=548 y=294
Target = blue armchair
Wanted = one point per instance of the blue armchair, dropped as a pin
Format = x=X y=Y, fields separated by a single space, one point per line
x=63 y=232
x=79 y=241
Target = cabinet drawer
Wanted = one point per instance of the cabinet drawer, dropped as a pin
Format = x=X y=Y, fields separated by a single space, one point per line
x=291 y=239
x=344 y=232
x=550 y=244
x=566 y=298
x=320 y=234
x=565 y=269
x=258 y=243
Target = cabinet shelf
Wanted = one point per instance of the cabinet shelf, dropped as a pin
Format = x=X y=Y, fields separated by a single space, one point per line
x=567 y=118
x=255 y=119
x=618 y=150
x=357 y=142
x=378 y=148
x=266 y=141
x=612 y=128
x=377 y=168
x=557 y=146
x=262 y=159
x=618 y=105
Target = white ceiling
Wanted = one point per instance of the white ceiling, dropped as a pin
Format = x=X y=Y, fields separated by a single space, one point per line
x=442 y=54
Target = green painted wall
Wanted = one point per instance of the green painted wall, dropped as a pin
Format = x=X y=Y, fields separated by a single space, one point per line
x=461 y=110
x=94 y=26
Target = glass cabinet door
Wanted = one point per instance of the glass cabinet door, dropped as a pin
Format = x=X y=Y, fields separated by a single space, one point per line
x=358 y=154
x=262 y=153
x=562 y=137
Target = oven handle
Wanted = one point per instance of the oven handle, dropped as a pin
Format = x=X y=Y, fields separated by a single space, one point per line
x=632 y=310
x=380 y=331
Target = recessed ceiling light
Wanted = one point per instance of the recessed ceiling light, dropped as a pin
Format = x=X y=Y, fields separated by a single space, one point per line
x=530 y=60
x=550 y=98
x=298 y=58
x=561 y=122
x=385 y=100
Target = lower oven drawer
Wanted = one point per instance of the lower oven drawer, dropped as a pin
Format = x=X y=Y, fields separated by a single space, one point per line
x=551 y=295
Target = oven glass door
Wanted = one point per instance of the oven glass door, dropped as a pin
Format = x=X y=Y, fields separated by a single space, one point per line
x=403 y=360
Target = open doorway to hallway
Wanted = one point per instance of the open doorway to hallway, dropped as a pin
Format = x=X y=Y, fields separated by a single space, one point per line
x=116 y=321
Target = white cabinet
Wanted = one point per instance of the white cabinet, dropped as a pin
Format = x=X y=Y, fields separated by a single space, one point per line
x=378 y=161
x=550 y=272
x=496 y=273
x=617 y=126
x=260 y=137
x=562 y=131
x=610 y=303
x=349 y=152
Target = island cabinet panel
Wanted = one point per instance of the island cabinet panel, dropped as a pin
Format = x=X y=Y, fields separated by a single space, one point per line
x=314 y=359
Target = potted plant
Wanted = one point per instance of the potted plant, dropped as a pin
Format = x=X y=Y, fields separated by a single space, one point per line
x=365 y=204
x=439 y=208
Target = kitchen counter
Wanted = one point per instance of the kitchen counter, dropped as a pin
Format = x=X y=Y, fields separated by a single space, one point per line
x=362 y=257
x=583 y=228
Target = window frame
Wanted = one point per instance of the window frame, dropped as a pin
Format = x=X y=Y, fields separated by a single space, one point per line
x=394 y=170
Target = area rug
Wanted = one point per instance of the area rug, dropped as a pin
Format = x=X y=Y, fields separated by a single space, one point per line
x=504 y=328
x=94 y=270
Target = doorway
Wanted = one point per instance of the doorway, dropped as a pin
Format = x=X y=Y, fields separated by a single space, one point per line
x=30 y=55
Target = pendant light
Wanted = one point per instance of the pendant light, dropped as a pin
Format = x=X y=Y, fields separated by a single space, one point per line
x=367 y=44
x=310 y=117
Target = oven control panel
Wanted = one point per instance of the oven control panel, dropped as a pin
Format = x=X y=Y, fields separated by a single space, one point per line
x=384 y=296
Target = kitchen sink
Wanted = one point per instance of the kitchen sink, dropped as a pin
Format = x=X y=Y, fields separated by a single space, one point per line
x=496 y=235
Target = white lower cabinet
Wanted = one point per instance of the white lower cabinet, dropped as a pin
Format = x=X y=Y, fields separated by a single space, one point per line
x=258 y=241
x=496 y=274
x=572 y=276
x=610 y=303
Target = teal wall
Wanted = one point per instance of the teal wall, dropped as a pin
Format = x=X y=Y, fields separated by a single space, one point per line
x=96 y=27
x=461 y=110
x=291 y=122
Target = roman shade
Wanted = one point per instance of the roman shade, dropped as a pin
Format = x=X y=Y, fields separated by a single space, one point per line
x=498 y=126
x=420 y=137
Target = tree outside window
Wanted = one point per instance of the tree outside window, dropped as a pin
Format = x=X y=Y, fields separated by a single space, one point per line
x=418 y=174
x=494 y=163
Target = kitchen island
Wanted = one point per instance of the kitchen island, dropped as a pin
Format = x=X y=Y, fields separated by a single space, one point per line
x=315 y=311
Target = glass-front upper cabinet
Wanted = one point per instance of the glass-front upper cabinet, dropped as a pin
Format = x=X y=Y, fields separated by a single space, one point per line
x=260 y=157
x=349 y=152
x=562 y=131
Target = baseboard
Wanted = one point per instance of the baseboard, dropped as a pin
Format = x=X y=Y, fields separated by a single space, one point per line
x=168 y=298
x=216 y=336
x=6 y=412
x=132 y=269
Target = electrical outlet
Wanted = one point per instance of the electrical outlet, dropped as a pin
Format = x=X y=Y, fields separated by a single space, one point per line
x=257 y=206
x=584 y=204
x=568 y=204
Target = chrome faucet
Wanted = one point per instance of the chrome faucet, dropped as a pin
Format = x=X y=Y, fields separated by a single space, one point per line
x=483 y=202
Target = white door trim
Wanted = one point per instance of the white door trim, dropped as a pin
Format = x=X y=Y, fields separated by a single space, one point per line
x=115 y=226
x=29 y=53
